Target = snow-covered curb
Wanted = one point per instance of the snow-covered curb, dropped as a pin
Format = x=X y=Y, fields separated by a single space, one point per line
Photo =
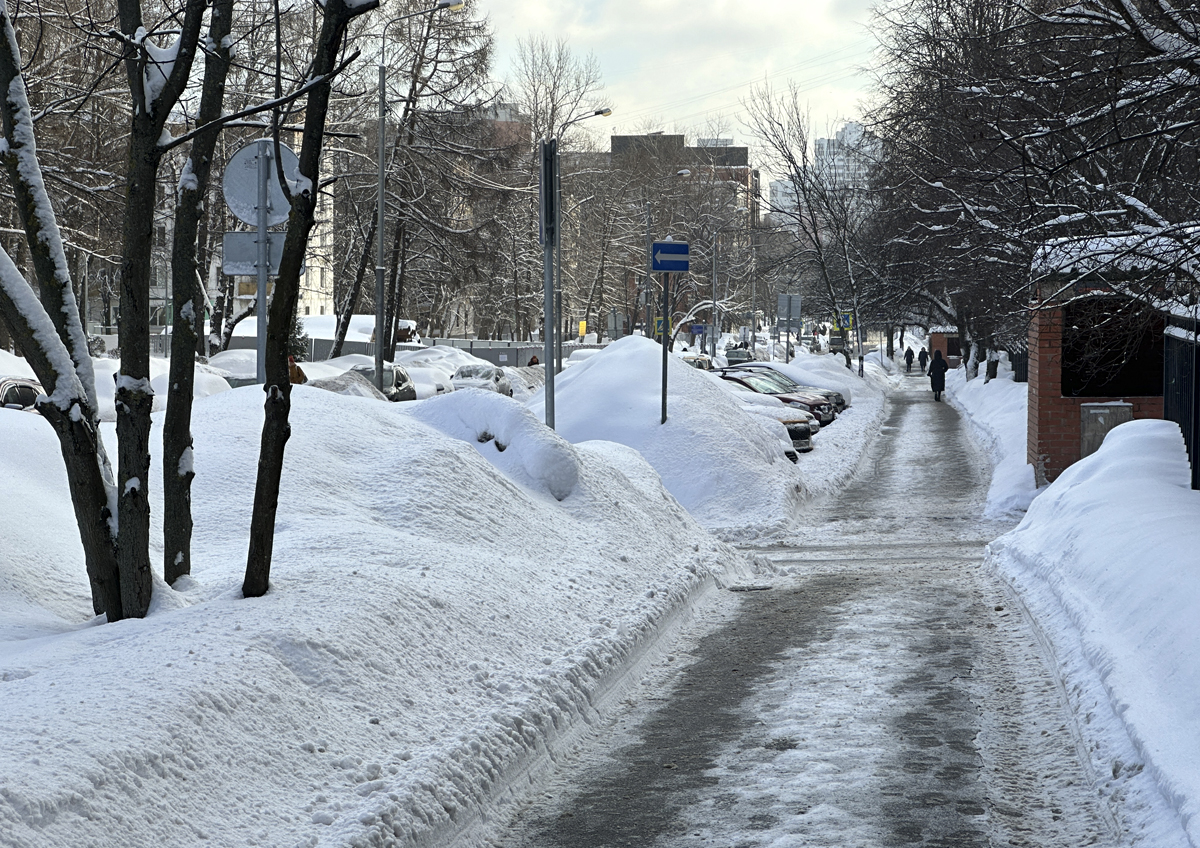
x=1101 y=561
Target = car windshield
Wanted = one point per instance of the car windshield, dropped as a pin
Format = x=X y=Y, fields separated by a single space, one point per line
x=483 y=372
x=760 y=383
x=784 y=382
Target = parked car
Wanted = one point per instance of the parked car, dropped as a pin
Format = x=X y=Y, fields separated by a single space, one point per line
x=836 y=398
x=818 y=405
x=739 y=354
x=397 y=384
x=19 y=393
x=801 y=425
x=698 y=360
x=481 y=375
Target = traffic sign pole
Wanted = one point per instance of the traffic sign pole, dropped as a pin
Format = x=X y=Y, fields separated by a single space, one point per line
x=667 y=257
x=666 y=329
x=263 y=261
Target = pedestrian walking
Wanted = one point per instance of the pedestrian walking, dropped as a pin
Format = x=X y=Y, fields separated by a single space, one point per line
x=923 y=358
x=908 y=358
x=937 y=374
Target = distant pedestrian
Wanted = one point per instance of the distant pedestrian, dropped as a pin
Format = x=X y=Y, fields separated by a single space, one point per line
x=937 y=375
x=533 y=360
x=908 y=358
x=923 y=358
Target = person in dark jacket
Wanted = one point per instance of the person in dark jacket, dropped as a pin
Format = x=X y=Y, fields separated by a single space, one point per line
x=923 y=358
x=937 y=374
x=908 y=358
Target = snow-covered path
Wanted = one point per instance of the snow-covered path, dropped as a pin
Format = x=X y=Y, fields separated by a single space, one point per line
x=886 y=691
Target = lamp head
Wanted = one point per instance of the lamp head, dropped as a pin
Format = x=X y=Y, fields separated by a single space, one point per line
x=450 y=5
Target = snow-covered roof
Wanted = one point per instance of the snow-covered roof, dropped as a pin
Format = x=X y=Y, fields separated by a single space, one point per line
x=1132 y=252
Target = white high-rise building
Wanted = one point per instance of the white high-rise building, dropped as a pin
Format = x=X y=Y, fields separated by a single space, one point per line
x=846 y=160
x=783 y=198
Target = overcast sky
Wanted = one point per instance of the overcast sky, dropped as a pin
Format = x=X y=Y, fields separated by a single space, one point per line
x=677 y=64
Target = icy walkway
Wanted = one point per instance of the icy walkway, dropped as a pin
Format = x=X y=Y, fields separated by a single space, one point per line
x=886 y=691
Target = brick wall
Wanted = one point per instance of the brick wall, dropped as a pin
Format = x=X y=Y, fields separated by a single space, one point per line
x=937 y=341
x=1053 y=440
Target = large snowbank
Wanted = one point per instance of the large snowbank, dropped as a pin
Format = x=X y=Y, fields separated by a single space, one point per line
x=442 y=615
x=725 y=466
x=1106 y=559
x=208 y=381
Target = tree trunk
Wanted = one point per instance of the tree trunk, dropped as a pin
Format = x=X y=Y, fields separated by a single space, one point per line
x=276 y=429
x=53 y=339
x=351 y=301
x=178 y=470
x=134 y=397
x=392 y=310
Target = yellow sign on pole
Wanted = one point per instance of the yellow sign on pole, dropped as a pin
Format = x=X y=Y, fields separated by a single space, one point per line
x=582 y=328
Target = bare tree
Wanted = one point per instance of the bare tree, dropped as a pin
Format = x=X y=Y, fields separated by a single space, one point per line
x=336 y=17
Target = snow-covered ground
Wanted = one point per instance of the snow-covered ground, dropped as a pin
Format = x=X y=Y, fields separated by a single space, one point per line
x=457 y=592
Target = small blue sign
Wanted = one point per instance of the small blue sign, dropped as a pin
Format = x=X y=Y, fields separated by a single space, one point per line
x=669 y=256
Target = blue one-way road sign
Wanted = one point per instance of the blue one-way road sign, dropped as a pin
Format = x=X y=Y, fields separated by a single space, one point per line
x=669 y=256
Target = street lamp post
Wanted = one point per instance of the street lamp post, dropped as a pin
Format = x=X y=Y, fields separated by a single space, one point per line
x=551 y=206
x=452 y=5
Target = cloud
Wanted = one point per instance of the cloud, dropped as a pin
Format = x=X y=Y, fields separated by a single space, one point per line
x=679 y=61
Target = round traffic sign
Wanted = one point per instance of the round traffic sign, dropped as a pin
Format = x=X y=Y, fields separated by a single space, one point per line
x=239 y=184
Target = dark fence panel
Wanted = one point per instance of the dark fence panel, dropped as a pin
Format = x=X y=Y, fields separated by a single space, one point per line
x=1020 y=366
x=1181 y=401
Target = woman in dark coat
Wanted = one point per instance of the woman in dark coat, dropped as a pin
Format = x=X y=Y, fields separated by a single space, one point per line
x=937 y=375
x=924 y=357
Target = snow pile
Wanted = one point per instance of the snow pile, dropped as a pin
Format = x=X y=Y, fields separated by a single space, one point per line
x=208 y=381
x=998 y=412
x=508 y=436
x=1106 y=561
x=725 y=466
x=15 y=366
x=439 y=622
x=432 y=367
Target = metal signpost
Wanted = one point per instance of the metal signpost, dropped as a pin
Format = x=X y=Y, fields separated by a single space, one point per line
x=667 y=257
x=548 y=209
x=254 y=196
x=789 y=304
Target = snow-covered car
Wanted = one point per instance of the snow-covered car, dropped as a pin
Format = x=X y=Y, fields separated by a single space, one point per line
x=835 y=397
x=19 y=393
x=809 y=402
x=397 y=384
x=481 y=375
x=800 y=424
x=698 y=360
x=738 y=354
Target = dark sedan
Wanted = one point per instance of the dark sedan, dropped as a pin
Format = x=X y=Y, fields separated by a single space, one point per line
x=836 y=398
x=817 y=404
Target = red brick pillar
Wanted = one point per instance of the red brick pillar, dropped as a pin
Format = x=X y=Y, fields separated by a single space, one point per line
x=1053 y=436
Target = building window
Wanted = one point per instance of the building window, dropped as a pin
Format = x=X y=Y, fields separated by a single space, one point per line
x=307 y=310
